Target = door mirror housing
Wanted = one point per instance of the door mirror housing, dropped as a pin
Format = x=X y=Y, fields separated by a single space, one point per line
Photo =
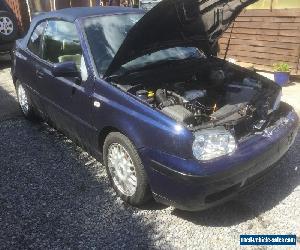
x=65 y=69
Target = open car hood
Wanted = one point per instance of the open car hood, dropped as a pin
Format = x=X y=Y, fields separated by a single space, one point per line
x=175 y=23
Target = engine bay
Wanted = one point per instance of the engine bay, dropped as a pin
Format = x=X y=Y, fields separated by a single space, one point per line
x=215 y=94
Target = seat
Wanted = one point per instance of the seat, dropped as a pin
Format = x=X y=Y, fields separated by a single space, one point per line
x=71 y=58
x=71 y=51
x=53 y=49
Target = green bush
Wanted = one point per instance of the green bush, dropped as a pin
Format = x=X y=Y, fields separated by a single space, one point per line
x=281 y=67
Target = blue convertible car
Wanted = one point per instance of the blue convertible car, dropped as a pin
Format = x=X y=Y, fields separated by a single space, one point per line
x=145 y=94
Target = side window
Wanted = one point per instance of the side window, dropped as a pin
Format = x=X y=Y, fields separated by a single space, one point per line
x=62 y=43
x=36 y=39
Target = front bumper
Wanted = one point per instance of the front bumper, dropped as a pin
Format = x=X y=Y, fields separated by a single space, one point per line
x=206 y=184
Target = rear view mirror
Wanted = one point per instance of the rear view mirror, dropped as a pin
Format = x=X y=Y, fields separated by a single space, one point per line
x=65 y=69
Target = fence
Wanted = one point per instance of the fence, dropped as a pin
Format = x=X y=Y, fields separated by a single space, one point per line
x=264 y=37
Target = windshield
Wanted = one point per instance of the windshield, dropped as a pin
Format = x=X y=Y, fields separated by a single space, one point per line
x=105 y=35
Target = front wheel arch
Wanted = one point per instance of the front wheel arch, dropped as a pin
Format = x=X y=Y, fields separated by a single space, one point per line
x=103 y=134
x=110 y=129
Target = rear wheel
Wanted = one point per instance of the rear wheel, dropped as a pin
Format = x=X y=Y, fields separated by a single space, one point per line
x=24 y=102
x=125 y=169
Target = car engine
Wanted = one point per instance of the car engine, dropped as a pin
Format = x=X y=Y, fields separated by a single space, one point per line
x=186 y=103
x=219 y=96
x=186 y=106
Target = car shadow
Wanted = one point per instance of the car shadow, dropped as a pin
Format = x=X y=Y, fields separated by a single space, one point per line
x=53 y=195
x=152 y=205
x=276 y=186
x=291 y=83
x=9 y=108
x=295 y=78
x=5 y=61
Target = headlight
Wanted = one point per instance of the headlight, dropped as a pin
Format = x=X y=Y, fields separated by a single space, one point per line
x=213 y=143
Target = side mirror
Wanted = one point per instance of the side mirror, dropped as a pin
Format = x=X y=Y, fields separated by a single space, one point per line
x=65 y=69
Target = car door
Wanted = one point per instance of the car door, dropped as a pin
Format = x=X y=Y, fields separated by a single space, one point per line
x=68 y=99
x=27 y=60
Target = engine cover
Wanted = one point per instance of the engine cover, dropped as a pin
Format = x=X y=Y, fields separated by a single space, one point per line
x=179 y=114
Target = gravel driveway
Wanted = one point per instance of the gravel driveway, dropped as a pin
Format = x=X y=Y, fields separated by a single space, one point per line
x=54 y=195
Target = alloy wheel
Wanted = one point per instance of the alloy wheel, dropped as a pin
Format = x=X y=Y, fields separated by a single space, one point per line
x=23 y=100
x=6 y=26
x=122 y=169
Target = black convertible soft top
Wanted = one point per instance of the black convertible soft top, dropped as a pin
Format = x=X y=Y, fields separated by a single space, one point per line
x=72 y=14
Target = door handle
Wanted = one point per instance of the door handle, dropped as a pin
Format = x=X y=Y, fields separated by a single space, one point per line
x=40 y=74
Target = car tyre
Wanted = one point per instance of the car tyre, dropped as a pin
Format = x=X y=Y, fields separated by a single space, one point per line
x=8 y=27
x=25 y=103
x=125 y=169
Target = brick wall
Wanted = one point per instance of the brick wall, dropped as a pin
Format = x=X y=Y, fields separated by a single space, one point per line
x=59 y=4
x=20 y=9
